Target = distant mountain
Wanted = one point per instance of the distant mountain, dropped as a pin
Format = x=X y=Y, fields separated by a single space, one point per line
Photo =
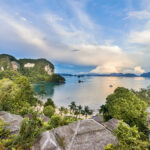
x=104 y=75
x=145 y=74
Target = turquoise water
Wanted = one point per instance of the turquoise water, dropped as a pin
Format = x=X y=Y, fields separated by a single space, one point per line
x=92 y=92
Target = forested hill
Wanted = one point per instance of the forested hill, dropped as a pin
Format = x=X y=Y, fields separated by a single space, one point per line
x=34 y=69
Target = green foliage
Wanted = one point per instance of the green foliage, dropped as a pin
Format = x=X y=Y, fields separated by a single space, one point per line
x=6 y=139
x=26 y=92
x=55 y=121
x=16 y=97
x=128 y=139
x=77 y=110
x=57 y=78
x=4 y=133
x=125 y=105
x=35 y=74
x=5 y=61
x=10 y=74
x=49 y=102
x=69 y=119
x=29 y=131
x=49 y=111
x=87 y=111
x=8 y=93
x=61 y=141
x=143 y=94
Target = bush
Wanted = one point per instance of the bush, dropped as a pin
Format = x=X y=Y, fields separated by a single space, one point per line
x=49 y=102
x=55 y=121
x=128 y=139
x=125 y=105
x=29 y=131
x=49 y=111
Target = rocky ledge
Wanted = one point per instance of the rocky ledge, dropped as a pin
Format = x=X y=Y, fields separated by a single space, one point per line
x=82 y=135
x=13 y=121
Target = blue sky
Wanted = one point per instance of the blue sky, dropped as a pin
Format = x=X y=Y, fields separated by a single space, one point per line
x=79 y=36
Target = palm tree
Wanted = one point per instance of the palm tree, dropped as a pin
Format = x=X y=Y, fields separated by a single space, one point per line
x=72 y=106
x=79 y=109
x=61 y=109
x=103 y=109
x=86 y=110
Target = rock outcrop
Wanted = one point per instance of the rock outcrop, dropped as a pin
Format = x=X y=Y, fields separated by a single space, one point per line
x=82 y=135
x=99 y=119
x=13 y=121
x=111 y=124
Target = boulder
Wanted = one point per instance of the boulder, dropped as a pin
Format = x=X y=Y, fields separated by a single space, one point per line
x=13 y=120
x=111 y=124
x=82 y=135
x=99 y=119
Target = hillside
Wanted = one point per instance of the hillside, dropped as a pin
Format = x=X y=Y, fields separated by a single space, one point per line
x=34 y=69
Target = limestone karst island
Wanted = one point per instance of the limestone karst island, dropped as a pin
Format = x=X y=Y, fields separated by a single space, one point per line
x=75 y=75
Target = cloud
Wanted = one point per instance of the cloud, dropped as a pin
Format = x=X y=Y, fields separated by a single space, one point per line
x=141 y=37
x=138 y=70
x=73 y=37
x=144 y=14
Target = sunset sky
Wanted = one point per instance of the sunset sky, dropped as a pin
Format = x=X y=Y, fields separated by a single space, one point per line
x=79 y=36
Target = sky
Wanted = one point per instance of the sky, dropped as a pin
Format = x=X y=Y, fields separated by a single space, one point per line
x=79 y=36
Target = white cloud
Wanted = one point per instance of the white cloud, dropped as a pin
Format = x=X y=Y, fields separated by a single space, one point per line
x=140 y=37
x=144 y=14
x=55 y=37
x=138 y=70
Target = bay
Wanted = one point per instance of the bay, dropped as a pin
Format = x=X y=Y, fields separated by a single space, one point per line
x=92 y=91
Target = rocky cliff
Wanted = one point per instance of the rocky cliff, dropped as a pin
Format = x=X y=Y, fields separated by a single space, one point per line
x=34 y=69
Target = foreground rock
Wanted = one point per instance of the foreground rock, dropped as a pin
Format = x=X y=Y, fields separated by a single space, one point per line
x=111 y=124
x=14 y=121
x=82 y=135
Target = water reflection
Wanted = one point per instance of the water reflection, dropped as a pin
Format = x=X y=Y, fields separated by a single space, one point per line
x=49 y=88
x=93 y=91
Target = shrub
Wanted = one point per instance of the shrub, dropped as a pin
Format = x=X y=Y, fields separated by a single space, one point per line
x=125 y=105
x=29 y=131
x=49 y=111
x=55 y=121
x=128 y=139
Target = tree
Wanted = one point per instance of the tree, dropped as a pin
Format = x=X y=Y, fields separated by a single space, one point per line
x=61 y=110
x=125 y=105
x=129 y=138
x=49 y=102
x=8 y=93
x=104 y=110
x=29 y=131
x=13 y=98
x=72 y=106
x=26 y=92
x=49 y=111
x=80 y=109
x=86 y=111
x=143 y=94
